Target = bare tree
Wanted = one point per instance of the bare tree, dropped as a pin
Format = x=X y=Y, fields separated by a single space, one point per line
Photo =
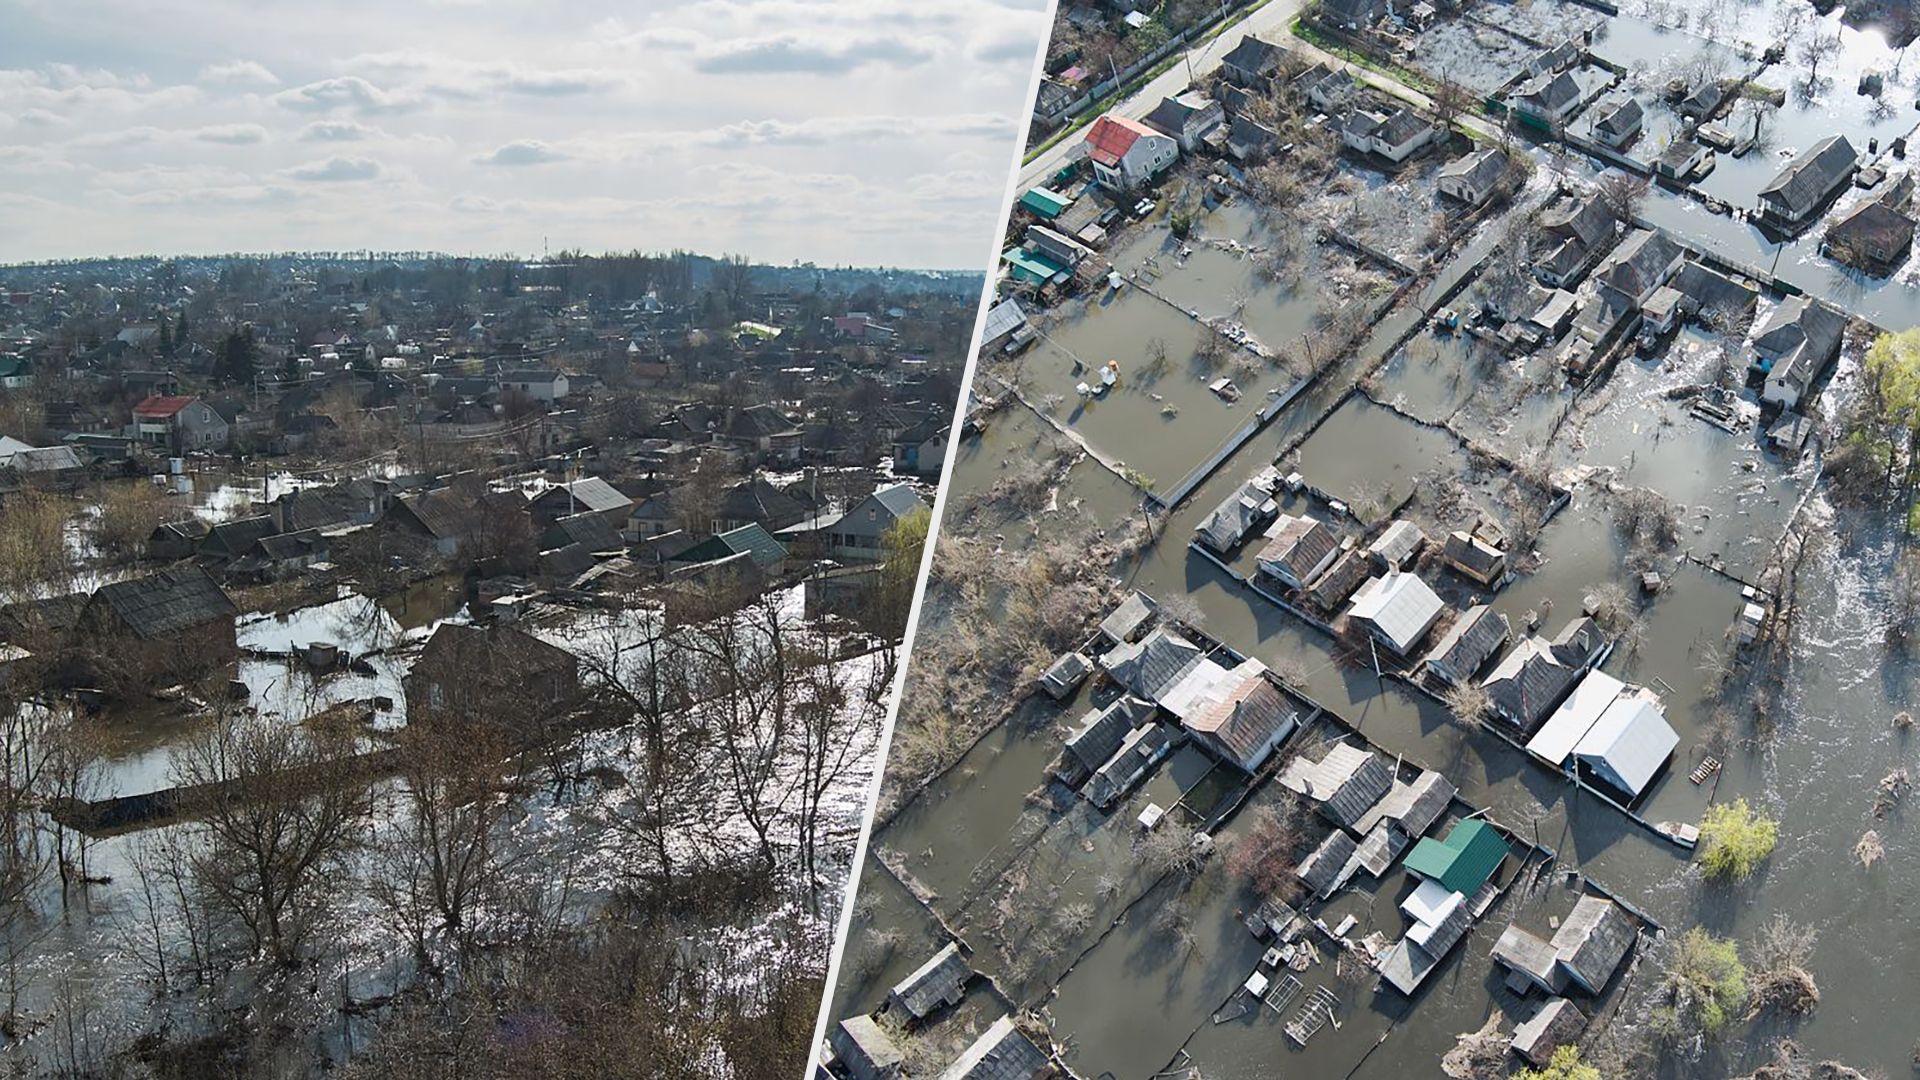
x=276 y=811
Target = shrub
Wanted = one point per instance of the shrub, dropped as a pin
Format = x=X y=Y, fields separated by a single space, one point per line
x=1735 y=840
x=1705 y=986
x=1566 y=1065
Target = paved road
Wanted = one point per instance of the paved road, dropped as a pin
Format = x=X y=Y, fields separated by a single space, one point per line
x=1271 y=23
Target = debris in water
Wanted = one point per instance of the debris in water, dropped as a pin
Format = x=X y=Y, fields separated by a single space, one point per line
x=1869 y=850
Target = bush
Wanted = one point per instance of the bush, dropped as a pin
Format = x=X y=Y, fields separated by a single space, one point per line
x=1566 y=1065
x=1705 y=986
x=1735 y=840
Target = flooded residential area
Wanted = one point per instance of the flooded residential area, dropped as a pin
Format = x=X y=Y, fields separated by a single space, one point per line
x=1427 y=584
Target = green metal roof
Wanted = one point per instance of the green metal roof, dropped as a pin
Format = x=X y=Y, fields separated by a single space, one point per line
x=756 y=541
x=1031 y=266
x=1045 y=202
x=1464 y=860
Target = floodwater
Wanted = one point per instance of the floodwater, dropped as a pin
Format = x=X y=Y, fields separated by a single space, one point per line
x=1138 y=999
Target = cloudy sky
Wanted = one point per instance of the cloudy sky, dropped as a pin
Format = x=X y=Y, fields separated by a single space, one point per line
x=837 y=131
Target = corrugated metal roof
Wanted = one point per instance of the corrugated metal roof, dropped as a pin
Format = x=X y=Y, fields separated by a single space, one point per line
x=1463 y=860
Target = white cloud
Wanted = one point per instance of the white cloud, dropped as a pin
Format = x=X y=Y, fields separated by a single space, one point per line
x=243 y=73
x=337 y=169
x=348 y=92
x=849 y=131
x=337 y=131
x=231 y=134
x=524 y=152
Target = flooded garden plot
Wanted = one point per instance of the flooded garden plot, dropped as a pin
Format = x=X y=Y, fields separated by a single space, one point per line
x=1506 y=404
x=1733 y=498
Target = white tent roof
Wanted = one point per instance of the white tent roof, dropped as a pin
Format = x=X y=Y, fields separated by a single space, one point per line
x=1574 y=718
x=1400 y=605
x=1629 y=742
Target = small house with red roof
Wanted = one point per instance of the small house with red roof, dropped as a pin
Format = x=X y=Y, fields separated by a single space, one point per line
x=180 y=422
x=1127 y=153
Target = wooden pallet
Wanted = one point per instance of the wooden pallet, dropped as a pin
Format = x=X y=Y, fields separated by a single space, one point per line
x=1281 y=993
x=1705 y=770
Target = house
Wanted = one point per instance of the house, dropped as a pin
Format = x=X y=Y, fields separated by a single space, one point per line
x=1393 y=134
x=1151 y=666
x=1330 y=591
x=939 y=983
x=1713 y=295
x=1139 y=752
x=1551 y=319
x=1467 y=645
x=1249 y=140
x=586 y=495
x=1619 y=123
x=1352 y=14
x=1128 y=621
x=1396 y=546
x=229 y=540
x=1002 y=1052
x=1410 y=806
x=1397 y=609
x=167 y=625
x=1557 y=1023
x=1808 y=182
x=1584 y=953
x=861 y=532
x=1462 y=861
x=1471 y=180
x=1431 y=937
x=1344 y=785
x=1666 y=309
x=921 y=450
x=1055 y=247
x=1326 y=88
x=1188 y=118
x=1065 y=675
x=865 y=1051
x=543 y=385
x=1045 y=203
x=763 y=430
x=750 y=540
x=448 y=518
x=492 y=673
x=176 y=539
x=1298 y=549
x=1235 y=517
x=1701 y=101
x=1629 y=744
x=1006 y=326
x=1252 y=63
x=272 y=558
x=1643 y=262
x=1872 y=237
x=1683 y=159
x=1795 y=347
x=1532 y=679
x=1326 y=867
x=1127 y=153
x=1239 y=716
x=1098 y=737
x=1574 y=234
x=180 y=423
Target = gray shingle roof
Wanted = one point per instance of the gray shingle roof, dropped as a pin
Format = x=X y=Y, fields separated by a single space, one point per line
x=1470 y=642
x=1346 y=783
x=1593 y=940
x=1323 y=870
x=1810 y=177
x=1101 y=732
x=942 y=980
x=165 y=603
x=1000 y=1053
x=1153 y=664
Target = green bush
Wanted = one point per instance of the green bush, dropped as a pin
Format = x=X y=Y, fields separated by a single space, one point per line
x=1705 y=987
x=1734 y=840
x=1566 y=1065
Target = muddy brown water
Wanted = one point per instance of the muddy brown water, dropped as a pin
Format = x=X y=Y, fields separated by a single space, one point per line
x=1131 y=1001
